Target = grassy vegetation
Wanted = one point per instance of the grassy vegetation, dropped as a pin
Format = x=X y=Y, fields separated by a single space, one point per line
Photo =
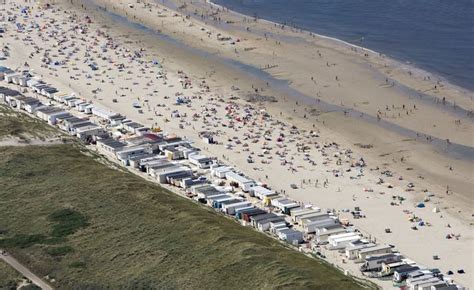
x=67 y=221
x=9 y=277
x=16 y=124
x=66 y=215
x=59 y=251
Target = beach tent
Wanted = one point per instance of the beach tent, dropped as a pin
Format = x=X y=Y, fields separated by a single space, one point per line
x=420 y=205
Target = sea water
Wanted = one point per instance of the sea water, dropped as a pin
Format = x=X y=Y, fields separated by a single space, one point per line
x=436 y=36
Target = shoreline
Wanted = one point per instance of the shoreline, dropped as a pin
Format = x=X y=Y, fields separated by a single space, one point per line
x=462 y=108
x=403 y=64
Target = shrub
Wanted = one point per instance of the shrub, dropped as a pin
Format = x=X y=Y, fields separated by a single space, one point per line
x=22 y=241
x=68 y=221
x=77 y=264
x=59 y=251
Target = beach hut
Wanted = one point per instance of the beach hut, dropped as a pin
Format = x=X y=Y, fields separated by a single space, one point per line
x=202 y=192
x=296 y=214
x=284 y=204
x=154 y=168
x=49 y=114
x=428 y=283
x=65 y=98
x=88 y=109
x=72 y=102
x=132 y=127
x=241 y=211
x=246 y=215
x=375 y=262
x=115 y=120
x=220 y=171
x=30 y=104
x=261 y=192
x=134 y=161
x=5 y=71
x=230 y=209
x=187 y=182
x=148 y=162
x=340 y=241
x=48 y=91
x=175 y=171
x=244 y=183
x=81 y=107
x=69 y=123
x=313 y=215
x=291 y=236
x=228 y=199
x=8 y=77
x=103 y=113
x=201 y=161
x=263 y=224
x=376 y=250
x=311 y=227
x=401 y=273
x=390 y=268
x=310 y=218
x=173 y=154
x=33 y=81
x=352 y=249
x=322 y=234
x=6 y=94
x=127 y=152
x=89 y=131
x=276 y=226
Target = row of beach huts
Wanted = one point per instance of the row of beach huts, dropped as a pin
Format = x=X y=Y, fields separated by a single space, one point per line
x=174 y=161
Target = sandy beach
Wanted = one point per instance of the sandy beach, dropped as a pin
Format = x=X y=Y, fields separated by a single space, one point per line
x=301 y=107
x=361 y=87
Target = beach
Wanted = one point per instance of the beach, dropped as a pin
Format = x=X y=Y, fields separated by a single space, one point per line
x=363 y=91
x=302 y=107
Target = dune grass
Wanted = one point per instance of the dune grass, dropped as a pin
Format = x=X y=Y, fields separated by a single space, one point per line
x=9 y=277
x=16 y=124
